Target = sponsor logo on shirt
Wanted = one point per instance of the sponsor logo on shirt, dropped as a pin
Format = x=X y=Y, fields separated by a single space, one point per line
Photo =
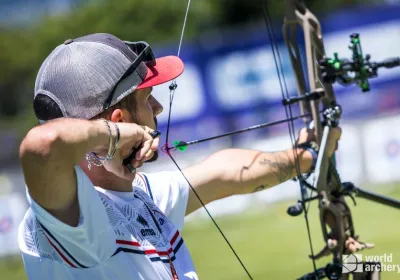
x=147 y=232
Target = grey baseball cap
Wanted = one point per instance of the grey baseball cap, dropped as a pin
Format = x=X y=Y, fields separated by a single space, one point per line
x=81 y=74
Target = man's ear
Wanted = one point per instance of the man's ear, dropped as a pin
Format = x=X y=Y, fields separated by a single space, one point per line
x=120 y=115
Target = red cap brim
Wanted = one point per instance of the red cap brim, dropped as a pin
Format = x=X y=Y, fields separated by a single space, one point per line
x=166 y=69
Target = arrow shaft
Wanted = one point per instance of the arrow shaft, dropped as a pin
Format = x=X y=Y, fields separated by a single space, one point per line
x=254 y=127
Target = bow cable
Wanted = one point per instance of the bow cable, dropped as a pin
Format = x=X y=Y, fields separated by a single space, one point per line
x=289 y=114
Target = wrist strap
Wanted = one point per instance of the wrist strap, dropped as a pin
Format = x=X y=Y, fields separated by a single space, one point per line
x=313 y=148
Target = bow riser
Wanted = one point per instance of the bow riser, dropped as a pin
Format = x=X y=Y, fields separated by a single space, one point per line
x=335 y=215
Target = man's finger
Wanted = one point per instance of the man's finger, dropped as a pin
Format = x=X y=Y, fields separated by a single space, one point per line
x=148 y=155
x=145 y=148
x=155 y=144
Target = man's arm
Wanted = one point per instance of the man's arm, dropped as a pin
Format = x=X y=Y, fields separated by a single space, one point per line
x=239 y=171
x=48 y=154
x=236 y=171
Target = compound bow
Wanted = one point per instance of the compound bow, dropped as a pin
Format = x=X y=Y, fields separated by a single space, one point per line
x=335 y=215
x=315 y=96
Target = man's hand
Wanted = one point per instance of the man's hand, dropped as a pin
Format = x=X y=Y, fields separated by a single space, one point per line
x=307 y=135
x=132 y=136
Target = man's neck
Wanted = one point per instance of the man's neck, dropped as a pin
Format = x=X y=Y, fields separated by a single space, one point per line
x=100 y=177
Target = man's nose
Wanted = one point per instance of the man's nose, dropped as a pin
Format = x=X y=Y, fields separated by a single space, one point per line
x=156 y=106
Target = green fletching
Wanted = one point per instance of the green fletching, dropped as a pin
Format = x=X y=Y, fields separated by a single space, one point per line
x=180 y=145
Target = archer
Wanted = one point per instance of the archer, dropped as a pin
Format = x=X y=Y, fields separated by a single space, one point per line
x=92 y=215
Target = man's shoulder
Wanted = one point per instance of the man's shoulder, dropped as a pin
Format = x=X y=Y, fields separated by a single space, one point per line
x=32 y=233
x=28 y=223
x=157 y=184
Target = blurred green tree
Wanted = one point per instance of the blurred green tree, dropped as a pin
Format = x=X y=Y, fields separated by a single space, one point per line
x=22 y=49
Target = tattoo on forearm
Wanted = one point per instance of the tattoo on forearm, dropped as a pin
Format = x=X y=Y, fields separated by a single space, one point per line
x=282 y=165
x=260 y=188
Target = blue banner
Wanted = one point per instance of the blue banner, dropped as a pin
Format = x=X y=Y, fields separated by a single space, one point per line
x=231 y=81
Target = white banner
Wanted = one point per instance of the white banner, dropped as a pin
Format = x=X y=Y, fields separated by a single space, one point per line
x=382 y=149
x=350 y=155
x=12 y=211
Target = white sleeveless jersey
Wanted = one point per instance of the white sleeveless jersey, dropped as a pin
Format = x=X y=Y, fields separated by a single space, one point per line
x=131 y=235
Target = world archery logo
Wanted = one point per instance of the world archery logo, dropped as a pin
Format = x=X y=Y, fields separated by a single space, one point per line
x=352 y=263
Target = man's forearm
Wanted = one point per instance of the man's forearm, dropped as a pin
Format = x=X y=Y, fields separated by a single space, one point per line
x=276 y=168
x=70 y=139
x=240 y=171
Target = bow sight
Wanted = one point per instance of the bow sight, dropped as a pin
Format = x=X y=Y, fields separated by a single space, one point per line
x=357 y=70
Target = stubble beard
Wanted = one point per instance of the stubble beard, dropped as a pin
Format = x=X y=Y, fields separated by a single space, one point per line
x=156 y=154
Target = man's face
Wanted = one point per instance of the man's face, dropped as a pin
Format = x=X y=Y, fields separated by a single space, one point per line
x=147 y=109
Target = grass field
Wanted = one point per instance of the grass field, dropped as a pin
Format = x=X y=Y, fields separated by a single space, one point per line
x=272 y=244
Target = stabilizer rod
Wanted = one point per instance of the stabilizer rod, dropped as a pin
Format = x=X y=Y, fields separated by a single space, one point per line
x=349 y=188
